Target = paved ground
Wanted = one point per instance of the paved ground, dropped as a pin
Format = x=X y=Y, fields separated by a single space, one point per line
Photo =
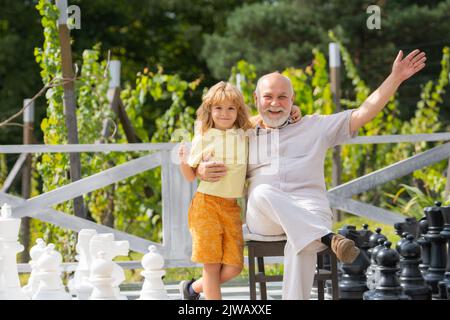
x=233 y=291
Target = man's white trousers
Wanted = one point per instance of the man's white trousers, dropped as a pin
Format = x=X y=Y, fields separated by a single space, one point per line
x=271 y=211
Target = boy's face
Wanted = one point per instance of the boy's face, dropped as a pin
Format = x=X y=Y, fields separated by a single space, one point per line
x=224 y=115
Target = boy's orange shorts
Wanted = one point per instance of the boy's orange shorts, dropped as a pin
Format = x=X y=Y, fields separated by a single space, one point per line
x=216 y=229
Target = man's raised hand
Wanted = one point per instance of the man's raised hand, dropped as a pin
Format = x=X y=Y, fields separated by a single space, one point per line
x=404 y=68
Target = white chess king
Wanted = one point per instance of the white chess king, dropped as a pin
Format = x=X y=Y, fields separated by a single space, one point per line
x=10 y=288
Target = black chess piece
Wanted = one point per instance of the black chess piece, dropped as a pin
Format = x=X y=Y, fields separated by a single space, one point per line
x=444 y=285
x=388 y=286
x=365 y=235
x=373 y=239
x=411 y=278
x=435 y=272
x=401 y=241
x=353 y=280
x=425 y=246
x=372 y=274
x=410 y=225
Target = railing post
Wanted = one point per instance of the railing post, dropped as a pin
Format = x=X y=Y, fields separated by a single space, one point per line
x=335 y=69
x=176 y=197
x=70 y=101
x=28 y=123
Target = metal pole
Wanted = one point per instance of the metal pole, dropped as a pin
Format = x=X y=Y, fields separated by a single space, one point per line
x=117 y=104
x=28 y=124
x=335 y=69
x=70 y=101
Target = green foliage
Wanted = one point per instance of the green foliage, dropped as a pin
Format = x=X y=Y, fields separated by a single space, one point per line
x=358 y=222
x=3 y=169
x=248 y=37
x=418 y=200
x=247 y=83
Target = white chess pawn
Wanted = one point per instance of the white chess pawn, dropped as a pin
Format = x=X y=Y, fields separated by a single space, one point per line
x=101 y=278
x=10 y=288
x=153 y=287
x=35 y=252
x=49 y=276
x=105 y=242
x=80 y=285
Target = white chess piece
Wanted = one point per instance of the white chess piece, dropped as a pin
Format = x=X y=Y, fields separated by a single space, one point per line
x=101 y=278
x=105 y=242
x=153 y=287
x=35 y=252
x=80 y=285
x=49 y=276
x=10 y=288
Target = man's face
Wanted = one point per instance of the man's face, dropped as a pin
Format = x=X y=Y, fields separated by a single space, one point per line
x=274 y=100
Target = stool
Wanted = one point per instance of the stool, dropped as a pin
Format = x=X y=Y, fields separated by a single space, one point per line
x=273 y=246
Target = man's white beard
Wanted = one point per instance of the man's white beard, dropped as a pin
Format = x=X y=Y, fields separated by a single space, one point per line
x=275 y=123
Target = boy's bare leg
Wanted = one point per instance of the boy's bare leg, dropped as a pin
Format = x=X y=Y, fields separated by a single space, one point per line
x=211 y=281
x=227 y=272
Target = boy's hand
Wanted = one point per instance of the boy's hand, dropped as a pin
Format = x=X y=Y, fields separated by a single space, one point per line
x=296 y=114
x=183 y=153
x=403 y=69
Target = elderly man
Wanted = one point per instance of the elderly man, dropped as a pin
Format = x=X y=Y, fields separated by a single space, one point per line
x=287 y=193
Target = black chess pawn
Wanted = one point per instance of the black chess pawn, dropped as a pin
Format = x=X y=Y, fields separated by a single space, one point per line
x=425 y=246
x=435 y=272
x=353 y=280
x=388 y=286
x=444 y=285
x=411 y=278
x=401 y=241
x=373 y=239
x=365 y=235
x=372 y=274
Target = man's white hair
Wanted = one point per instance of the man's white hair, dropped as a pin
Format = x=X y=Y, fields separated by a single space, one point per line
x=276 y=73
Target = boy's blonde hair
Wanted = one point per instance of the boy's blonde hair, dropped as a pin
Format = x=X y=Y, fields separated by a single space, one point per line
x=218 y=94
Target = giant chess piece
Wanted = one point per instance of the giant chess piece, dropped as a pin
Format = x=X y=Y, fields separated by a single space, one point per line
x=372 y=273
x=388 y=287
x=373 y=240
x=353 y=282
x=49 y=276
x=153 y=287
x=35 y=252
x=401 y=241
x=80 y=285
x=10 y=288
x=425 y=246
x=101 y=278
x=410 y=225
x=444 y=285
x=365 y=235
x=411 y=278
x=435 y=272
x=397 y=247
x=105 y=242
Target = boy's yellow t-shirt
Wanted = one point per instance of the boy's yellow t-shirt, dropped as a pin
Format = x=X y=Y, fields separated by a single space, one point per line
x=229 y=147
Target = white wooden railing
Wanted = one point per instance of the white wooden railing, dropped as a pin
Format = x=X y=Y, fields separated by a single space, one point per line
x=177 y=193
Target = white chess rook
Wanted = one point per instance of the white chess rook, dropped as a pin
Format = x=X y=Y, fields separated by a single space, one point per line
x=35 y=252
x=105 y=242
x=153 y=287
x=101 y=278
x=49 y=276
x=10 y=288
x=80 y=285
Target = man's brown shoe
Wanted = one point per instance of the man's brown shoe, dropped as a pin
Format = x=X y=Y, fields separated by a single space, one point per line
x=344 y=248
